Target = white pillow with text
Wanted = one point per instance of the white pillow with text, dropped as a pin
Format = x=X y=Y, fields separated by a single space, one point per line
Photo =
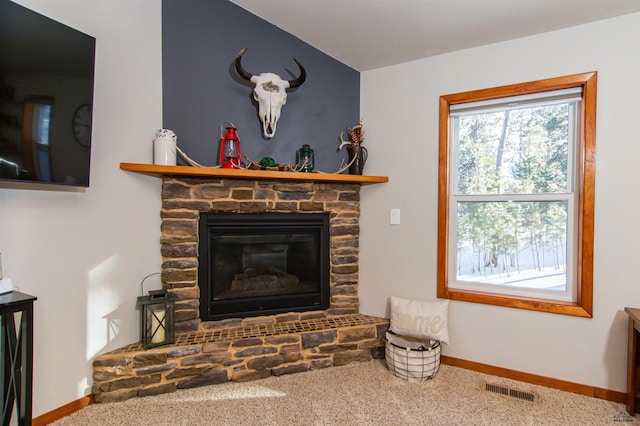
x=420 y=318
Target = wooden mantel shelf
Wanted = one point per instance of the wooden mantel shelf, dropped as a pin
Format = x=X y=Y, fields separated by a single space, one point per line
x=188 y=171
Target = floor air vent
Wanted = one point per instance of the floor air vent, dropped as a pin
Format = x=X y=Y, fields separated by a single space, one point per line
x=497 y=389
x=509 y=392
x=521 y=395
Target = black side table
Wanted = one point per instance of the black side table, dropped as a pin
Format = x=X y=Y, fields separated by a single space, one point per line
x=16 y=356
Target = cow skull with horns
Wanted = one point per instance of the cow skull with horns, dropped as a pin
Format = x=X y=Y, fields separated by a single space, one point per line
x=270 y=93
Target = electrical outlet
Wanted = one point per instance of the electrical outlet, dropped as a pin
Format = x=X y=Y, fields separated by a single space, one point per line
x=394 y=217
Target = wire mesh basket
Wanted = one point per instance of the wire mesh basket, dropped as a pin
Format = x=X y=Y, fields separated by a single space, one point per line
x=412 y=359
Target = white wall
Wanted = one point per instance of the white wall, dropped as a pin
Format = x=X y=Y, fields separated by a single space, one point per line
x=83 y=254
x=400 y=110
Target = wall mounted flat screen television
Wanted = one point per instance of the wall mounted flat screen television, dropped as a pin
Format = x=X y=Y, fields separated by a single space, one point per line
x=46 y=98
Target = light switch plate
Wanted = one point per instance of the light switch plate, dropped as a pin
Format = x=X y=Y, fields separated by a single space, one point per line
x=394 y=217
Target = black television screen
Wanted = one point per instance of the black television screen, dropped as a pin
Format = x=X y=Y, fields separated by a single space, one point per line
x=46 y=98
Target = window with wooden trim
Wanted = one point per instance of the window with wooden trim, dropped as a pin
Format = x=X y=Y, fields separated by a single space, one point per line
x=516 y=195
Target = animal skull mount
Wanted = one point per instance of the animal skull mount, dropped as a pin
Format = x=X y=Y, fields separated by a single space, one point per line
x=270 y=92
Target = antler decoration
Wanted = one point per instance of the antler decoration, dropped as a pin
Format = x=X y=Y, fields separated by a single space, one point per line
x=356 y=134
x=356 y=137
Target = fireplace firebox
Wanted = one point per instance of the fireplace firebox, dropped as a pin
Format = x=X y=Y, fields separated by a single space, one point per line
x=262 y=263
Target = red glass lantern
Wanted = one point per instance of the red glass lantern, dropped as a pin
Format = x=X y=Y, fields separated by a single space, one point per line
x=230 y=153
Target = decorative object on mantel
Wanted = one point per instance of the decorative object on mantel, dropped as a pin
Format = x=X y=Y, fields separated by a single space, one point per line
x=166 y=149
x=192 y=162
x=165 y=145
x=230 y=152
x=269 y=164
x=304 y=159
x=227 y=144
x=266 y=163
x=357 y=153
x=270 y=93
x=157 y=316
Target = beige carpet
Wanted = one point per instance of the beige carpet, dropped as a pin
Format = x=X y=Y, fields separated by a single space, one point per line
x=358 y=394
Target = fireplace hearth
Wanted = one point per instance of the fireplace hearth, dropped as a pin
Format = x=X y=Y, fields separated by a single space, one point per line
x=262 y=263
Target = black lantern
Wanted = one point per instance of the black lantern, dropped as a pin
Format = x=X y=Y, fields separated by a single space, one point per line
x=156 y=322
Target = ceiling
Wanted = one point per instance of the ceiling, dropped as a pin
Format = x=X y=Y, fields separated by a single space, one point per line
x=368 y=34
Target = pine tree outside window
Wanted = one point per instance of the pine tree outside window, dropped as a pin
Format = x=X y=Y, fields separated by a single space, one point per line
x=516 y=195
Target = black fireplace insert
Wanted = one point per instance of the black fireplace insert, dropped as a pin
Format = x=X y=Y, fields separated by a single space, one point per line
x=262 y=263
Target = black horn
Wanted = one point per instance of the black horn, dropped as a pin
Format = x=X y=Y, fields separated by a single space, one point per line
x=298 y=81
x=241 y=71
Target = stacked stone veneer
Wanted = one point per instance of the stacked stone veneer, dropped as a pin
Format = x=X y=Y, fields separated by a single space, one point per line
x=184 y=198
x=257 y=348
x=241 y=349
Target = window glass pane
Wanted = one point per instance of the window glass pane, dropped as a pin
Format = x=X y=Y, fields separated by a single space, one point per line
x=520 y=244
x=41 y=120
x=523 y=150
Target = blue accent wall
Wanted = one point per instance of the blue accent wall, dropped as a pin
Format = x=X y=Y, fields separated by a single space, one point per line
x=201 y=90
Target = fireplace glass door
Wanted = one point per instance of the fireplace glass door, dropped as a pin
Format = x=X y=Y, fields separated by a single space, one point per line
x=261 y=264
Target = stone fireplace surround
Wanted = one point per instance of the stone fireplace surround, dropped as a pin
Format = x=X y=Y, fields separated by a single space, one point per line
x=184 y=199
x=246 y=348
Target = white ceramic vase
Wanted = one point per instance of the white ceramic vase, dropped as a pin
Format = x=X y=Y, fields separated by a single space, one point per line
x=165 y=147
